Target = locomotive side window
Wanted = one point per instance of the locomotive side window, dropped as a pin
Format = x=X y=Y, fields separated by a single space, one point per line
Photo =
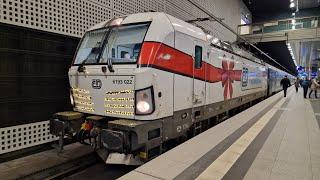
x=198 y=57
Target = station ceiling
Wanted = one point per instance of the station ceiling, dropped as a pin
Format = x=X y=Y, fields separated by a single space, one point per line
x=279 y=51
x=307 y=54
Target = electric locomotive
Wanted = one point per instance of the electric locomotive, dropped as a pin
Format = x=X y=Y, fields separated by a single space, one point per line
x=150 y=78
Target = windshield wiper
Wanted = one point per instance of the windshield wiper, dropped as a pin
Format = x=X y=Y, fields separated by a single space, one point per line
x=110 y=66
x=92 y=55
x=81 y=67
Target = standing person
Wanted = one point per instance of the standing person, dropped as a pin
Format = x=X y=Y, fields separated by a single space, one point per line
x=297 y=84
x=305 y=86
x=314 y=86
x=285 y=82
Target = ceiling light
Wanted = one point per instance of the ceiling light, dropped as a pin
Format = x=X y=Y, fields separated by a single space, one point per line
x=293 y=14
x=293 y=21
x=292 y=5
x=291 y=0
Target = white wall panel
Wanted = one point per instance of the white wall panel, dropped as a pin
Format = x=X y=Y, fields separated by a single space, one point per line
x=22 y=136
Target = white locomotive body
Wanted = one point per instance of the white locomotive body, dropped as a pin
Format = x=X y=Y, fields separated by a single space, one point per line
x=156 y=78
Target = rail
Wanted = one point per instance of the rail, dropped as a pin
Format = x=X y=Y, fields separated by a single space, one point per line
x=279 y=25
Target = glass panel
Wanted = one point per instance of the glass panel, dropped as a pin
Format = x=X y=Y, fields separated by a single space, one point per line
x=90 y=47
x=198 y=56
x=124 y=44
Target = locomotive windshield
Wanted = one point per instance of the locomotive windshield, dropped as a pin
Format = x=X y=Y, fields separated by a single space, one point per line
x=118 y=44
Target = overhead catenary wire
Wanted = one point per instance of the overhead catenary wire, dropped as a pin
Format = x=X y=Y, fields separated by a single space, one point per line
x=231 y=30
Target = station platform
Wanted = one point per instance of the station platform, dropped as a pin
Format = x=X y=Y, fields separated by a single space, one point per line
x=278 y=138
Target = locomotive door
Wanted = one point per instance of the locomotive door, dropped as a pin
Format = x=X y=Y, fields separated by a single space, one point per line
x=198 y=97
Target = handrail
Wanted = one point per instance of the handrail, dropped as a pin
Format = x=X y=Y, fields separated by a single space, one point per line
x=279 y=25
x=287 y=19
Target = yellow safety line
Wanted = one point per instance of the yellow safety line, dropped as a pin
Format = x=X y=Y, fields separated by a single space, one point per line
x=225 y=161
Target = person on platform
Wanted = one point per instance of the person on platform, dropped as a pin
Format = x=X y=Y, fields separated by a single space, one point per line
x=305 y=86
x=285 y=82
x=314 y=87
x=297 y=84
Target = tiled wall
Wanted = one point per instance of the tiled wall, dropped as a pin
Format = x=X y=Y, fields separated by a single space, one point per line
x=23 y=136
x=73 y=17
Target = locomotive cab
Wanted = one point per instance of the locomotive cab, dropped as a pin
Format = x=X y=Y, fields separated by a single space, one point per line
x=102 y=77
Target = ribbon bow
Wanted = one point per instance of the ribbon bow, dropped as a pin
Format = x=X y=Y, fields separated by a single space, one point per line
x=228 y=76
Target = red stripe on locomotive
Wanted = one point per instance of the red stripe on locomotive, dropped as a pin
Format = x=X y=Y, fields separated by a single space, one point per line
x=153 y=53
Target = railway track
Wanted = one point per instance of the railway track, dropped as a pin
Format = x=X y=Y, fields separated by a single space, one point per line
x=85 y=167
x=65 y=169
x=101 y=171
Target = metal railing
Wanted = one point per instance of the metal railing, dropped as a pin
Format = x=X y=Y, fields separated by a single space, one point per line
x=279 y=25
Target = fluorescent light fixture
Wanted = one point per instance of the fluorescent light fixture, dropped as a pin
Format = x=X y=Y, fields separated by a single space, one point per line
x=291 y=0
x=293 y=21
x=293 y=14
x=292 y=5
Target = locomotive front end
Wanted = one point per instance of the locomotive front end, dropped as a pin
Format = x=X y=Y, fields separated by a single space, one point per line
x=110 y=87
x=102 y=77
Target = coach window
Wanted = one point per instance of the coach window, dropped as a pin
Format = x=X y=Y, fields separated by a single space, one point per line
x=198 y=57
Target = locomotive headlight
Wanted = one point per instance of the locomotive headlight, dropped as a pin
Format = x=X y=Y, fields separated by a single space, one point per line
x=144 y=101
x=143 y=106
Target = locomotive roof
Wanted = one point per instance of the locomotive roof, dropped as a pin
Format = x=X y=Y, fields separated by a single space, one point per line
x=178 y=25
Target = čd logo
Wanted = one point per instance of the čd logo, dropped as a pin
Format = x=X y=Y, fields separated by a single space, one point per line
x=96 y=83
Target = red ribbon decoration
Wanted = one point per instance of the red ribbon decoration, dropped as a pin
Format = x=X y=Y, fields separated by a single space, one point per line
x=228 y=76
